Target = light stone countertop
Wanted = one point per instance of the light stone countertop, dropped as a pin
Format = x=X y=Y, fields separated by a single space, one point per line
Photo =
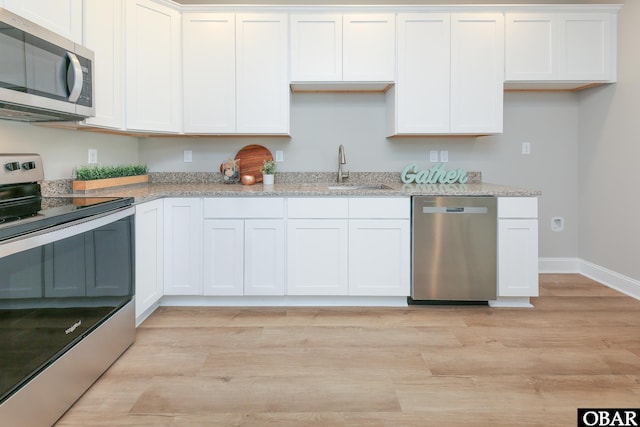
x=148 y=192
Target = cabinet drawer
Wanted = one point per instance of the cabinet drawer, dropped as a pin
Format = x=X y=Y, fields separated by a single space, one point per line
x=380 y=207
x=320 y=207
x=244 y=207
x=517 y=207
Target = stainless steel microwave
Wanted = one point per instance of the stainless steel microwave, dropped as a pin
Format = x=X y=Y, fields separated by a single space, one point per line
x=43 y=76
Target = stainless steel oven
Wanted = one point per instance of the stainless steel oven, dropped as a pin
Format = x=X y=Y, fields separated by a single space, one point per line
x=66 y=293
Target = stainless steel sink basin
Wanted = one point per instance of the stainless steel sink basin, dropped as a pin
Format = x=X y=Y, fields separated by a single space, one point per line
x=360 y=187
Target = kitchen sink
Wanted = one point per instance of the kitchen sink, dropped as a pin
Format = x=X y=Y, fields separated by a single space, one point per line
x=360 y=187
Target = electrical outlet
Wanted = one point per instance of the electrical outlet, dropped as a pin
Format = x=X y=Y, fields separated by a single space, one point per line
x=557 y=223
x=433 y=156
x=92 y=157
x=444 y=156
x=188 y=156
x=526 y=148
x=279 y=156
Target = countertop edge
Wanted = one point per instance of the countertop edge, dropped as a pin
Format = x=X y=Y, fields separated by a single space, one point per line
x=148 y=192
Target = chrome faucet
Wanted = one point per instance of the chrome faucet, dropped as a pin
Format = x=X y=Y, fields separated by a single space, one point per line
x=342 y=160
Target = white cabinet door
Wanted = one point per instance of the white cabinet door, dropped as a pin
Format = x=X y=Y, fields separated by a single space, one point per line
x=585 y=47
x=316 y=47
x=209 y=72
x=61 y=16
x=368 y=49
x=517 y=257
x=350 y=48
x=264 y=257
x=103 y=32
x=477 y=73
x=153 y=80
x=262 y=84
x=183 y=246
x=379 y=257
x=422 y=95
x=223 y=257
x=558 y=48
x=529 y=44
x=149 y=230
x=317 y=262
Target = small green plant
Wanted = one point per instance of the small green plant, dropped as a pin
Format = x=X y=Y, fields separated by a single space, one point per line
x=89 y=173
x=268 y=167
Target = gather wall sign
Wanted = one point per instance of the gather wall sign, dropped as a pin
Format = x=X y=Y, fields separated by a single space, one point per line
x=437 y=174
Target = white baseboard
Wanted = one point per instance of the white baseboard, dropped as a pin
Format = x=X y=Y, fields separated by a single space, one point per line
x=558 y=265
x=283 y=301
x=610 y=278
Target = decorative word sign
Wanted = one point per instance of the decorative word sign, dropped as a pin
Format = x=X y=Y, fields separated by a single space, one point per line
x=436 y=175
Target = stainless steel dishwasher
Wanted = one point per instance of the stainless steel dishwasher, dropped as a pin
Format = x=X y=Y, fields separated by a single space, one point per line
x=454 y=249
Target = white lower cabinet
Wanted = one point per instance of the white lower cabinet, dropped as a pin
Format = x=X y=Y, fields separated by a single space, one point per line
x=244 y=247
x=183 y=246
x=517 y=247
x=317 y=262
x=379 y=257
x=349 y=246
x=149 y=231
x=264 y=272
x=223 y=257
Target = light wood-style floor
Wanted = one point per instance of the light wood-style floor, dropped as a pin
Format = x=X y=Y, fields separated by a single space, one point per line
x=416 y=366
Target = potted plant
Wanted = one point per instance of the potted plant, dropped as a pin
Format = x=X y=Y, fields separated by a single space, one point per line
x=88 y=178
x=268 y=170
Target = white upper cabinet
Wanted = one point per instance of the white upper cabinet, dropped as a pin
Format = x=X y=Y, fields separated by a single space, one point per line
x=529 y=47
x=477 y=73
x=450 y=74
x=560 y=50
x=342 y=48
x=368 y=47
x=153 y=80
x=420 y=100
x=262 y=97
x=316 y=47
x=209 y=72
x=61 y=16
x=235 y=73
x=103 y=33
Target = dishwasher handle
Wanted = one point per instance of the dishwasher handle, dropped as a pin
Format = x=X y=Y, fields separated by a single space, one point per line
x=454 y=210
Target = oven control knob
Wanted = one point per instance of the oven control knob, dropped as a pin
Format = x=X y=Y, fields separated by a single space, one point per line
x=12 y=166
x=28 y=165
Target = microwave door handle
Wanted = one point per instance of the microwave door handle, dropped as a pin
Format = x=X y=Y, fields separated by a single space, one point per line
x=74 y=77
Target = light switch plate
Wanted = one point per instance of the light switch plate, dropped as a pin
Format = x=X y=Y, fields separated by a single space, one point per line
x=92 y=156
x=433 y=156
x=444 y=156
x=279 y=156
x=526 y=148
x=188 y=156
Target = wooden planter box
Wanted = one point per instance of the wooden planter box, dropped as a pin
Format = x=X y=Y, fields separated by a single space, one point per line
x=99 y=184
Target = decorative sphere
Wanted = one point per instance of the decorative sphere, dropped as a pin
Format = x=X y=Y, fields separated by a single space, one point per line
x=248 y=179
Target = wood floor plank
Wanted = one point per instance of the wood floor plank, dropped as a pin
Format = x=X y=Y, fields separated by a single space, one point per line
x=311 y=393
x=344 y=366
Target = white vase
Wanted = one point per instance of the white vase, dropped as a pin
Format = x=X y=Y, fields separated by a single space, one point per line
x=267 y=179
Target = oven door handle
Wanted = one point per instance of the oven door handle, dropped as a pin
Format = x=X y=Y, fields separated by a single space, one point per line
x=62 y=231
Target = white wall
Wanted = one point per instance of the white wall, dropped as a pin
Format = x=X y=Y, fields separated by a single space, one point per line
x=609 y=149
x=63 y=149
x=321 y=122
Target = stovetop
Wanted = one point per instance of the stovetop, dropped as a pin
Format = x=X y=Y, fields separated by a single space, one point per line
x=59 y=210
